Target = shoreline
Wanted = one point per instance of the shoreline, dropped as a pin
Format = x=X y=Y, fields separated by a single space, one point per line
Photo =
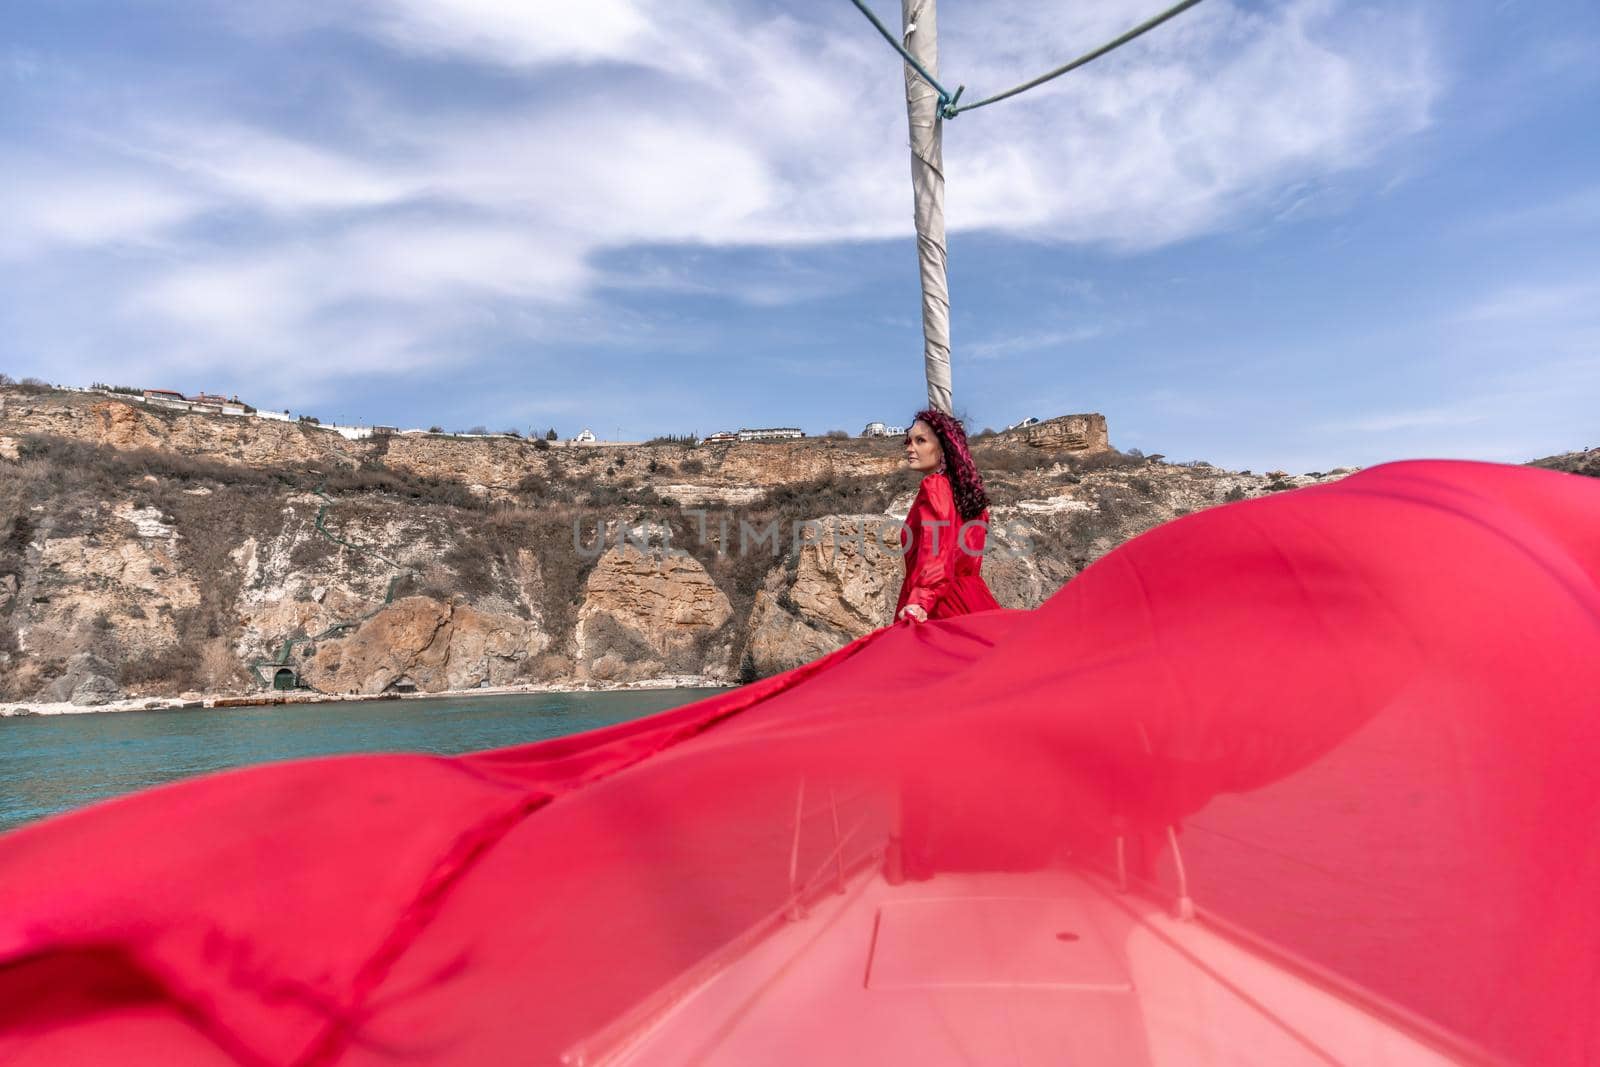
x=24 y=709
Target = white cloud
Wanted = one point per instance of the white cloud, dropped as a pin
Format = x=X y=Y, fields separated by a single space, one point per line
x=1541 y=303
x=425 y=274
x=720 y=127
x=998 y=347
x=761 y=130
x=513 y=32
x=1389 y=422
x=46 y=209
x=1139 y=153
x=269 y=171
x=776 y=282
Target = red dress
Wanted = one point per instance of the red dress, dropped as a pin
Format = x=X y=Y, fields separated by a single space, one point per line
x=943 y=555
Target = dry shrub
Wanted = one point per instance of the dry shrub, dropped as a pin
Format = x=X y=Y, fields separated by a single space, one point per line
x=1013 y=460
x=604 y=634
x=622 y=493
x=174 y=669
x=1144 y=487
x=373 y=478
x=1111 y=459
x=219 y=669
x=544 y=487
x=830 y=495
x=564 y=568
x=487 y=546
x=313 y=552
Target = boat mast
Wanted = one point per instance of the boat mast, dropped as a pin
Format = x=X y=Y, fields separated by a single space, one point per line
x=920 y=25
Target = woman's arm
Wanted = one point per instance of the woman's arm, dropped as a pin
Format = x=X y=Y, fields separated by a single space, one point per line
x=933 y=519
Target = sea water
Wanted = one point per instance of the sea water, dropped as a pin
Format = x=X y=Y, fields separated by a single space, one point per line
x=54 y=763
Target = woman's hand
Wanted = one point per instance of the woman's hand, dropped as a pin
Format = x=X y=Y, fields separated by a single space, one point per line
x=913 y=612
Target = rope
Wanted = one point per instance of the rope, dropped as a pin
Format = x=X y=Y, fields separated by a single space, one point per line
x=1088 y=57
x=947 y=100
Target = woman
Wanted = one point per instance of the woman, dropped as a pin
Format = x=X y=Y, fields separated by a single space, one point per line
x=944 y=534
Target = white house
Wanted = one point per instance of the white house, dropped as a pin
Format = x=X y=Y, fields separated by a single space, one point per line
x=203 y=403
x=585 y=437
x=774 y=433
x=167 y=398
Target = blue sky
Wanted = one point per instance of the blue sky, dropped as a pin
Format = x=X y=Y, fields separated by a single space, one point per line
x=1296 y=235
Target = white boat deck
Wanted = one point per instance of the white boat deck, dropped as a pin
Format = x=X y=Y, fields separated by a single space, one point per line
x=1005 y=971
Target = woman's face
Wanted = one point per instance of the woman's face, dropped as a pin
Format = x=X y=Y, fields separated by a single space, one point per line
x=922 y=448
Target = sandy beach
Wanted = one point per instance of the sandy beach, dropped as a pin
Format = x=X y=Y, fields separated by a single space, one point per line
x=267 y=699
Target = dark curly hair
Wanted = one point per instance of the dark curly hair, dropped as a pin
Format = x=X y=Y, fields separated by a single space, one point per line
x=966 y=484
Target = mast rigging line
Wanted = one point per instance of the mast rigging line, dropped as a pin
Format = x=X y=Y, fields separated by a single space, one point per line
x=948 y=107
x=945 y=97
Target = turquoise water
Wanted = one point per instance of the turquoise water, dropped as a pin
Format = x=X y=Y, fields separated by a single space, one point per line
x=54 y=763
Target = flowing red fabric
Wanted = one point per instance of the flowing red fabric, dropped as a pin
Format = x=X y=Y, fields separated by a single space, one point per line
x=1371 y=706
x=943 y=555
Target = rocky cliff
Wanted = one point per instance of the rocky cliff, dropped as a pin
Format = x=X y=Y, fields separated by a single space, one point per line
x=145 y=552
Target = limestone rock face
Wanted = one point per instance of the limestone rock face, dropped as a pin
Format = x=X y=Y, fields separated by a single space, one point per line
x=436 y=645
x=136 y=567
x=836 y=585
x=489 y=649
x=281 y=571
x=780 y=638
x=848 y=577
x=486 y=462
x=124 y=426
x=95 y=690
x=128 y=424
x=1068 y=433
x=1586 y=462
x=147 y=522
x=828 y=593
x=1022 y=561
x=177 y=579
x=87 y=594
x=645 y=615
x=724 y=473
x=776 y=462
x=87 y=681
x=402 y=639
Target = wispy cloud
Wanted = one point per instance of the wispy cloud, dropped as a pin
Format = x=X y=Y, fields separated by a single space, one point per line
x=1579 y=208
x=777 y=281
x=704 y=123
x=1015 y=344
x=522 y=33
x=48 y=208
x=1539 y=301
x=1388 y=422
